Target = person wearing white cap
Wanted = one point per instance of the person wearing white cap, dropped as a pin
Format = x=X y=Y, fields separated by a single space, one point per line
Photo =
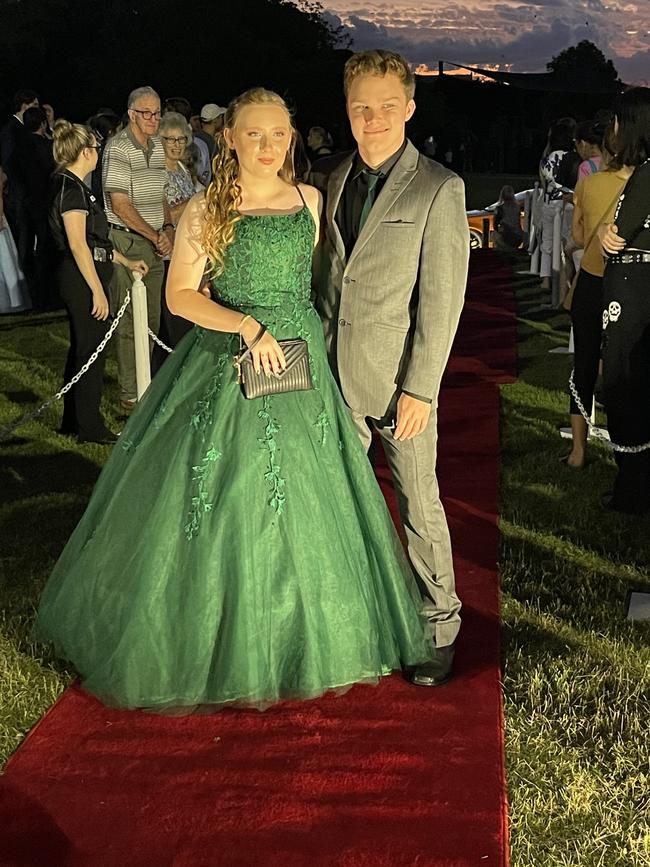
x=212 y=118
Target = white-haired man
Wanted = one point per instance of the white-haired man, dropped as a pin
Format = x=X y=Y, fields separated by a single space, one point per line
x=133 y=175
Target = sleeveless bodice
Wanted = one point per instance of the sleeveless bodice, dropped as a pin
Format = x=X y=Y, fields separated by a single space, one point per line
x=269 y=262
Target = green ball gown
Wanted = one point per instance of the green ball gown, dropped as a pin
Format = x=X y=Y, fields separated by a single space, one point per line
x=236 y=551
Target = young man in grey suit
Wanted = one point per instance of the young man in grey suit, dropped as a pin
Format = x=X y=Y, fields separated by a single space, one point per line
x=390 y=285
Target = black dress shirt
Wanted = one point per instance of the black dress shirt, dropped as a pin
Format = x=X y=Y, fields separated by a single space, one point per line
x=348 y=214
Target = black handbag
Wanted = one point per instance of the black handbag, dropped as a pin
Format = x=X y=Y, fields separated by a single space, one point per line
x=295 y=377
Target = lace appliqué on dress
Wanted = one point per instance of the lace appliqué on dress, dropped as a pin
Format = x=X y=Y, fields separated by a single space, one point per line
x=202 y=415
x=203 y=410
x=269 y=442
x=200 y=503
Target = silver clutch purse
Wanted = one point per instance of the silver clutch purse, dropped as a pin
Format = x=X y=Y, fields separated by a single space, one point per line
x=295 y=377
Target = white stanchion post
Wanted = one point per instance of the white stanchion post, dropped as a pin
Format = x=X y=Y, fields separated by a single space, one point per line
x=567 y=434
x=528 y=200
x=532 y=228
x=534 y=246
x=556 y=265
x=140 y=335
x=535 y=259
x=564 y=350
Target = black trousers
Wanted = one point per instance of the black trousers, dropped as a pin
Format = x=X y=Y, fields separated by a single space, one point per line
x=172 y=329
x=81 y=413
x=45 y=261
x=587 y=321
x=626 y=379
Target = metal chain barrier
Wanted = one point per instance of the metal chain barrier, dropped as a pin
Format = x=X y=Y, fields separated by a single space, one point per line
x=597 y=434
x=30 y=416
x=157 y=340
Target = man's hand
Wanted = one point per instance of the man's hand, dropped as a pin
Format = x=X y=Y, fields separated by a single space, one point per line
x=138 y=265
x=164 y=245
x=609 y=238
x=412 y=417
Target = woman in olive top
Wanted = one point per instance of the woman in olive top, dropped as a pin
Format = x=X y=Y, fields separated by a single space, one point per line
x=594 y=199
x=85 y=267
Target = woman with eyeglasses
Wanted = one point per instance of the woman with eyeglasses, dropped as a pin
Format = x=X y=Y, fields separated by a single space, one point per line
x=176 y=136
x=85 y=268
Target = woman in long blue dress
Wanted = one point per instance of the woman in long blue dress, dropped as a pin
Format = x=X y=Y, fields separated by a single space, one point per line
x=236 y=550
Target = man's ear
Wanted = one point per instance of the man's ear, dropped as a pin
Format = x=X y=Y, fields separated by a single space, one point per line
x=410 y=109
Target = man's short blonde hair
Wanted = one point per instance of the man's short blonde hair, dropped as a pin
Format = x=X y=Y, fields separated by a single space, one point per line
x=378 y=62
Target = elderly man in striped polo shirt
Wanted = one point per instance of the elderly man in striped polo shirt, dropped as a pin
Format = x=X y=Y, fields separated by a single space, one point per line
x=133 y=173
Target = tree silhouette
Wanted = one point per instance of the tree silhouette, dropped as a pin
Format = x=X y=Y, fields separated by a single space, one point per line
x=206 y=51
x=584 y=62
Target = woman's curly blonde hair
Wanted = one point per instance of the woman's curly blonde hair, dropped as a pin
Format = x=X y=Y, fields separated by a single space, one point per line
x=223 y=194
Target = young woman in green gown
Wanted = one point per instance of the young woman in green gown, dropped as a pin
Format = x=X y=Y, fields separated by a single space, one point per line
x=237 y=551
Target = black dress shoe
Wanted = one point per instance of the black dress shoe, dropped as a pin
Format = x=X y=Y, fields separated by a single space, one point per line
x=437 y=671
x=639 y=507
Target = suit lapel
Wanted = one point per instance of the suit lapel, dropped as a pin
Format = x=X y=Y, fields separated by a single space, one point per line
x=401 y=176
x=334 y=192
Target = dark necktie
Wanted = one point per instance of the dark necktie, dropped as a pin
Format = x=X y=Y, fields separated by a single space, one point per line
x=373 y=180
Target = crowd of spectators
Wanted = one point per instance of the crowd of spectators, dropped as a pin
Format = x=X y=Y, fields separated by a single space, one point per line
x=27 y=254
x=593 y=177
x=147 y=164
x=134 y=171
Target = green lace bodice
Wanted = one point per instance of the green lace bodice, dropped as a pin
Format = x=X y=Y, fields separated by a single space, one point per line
x=269 y=262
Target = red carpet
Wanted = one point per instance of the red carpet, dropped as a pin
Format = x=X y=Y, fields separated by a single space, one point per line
x=381 y=777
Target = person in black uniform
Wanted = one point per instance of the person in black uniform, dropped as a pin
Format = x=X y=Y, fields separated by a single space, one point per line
x=80 y=232
x=35 y=165
x=626 y=314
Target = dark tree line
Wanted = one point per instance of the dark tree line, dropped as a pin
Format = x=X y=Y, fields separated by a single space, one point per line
x=83 y=54
x=80 y=54
x=583 y=64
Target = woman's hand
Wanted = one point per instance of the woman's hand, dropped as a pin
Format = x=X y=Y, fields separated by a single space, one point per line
x=609 y=238
x=267 y=353
x=138 y=265
x=100 y=306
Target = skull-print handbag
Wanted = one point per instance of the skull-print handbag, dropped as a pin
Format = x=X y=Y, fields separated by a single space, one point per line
x=295 y=377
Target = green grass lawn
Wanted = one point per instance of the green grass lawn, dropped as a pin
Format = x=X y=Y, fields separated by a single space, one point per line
x=576 y=674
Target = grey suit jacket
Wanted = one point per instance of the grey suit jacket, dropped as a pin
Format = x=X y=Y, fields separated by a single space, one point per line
x=391 y=310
